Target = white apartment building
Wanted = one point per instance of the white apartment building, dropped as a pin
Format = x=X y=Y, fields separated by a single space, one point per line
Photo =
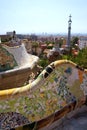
x=82 y=42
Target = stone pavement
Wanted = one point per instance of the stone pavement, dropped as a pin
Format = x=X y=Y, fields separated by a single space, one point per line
x=76 y=120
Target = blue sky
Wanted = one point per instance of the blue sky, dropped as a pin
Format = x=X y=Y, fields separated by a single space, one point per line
x=37 y=16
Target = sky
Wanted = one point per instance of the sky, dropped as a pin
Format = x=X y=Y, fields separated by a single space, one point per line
x=42 y=16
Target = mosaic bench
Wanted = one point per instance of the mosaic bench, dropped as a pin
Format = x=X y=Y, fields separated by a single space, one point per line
x=59 y=89
x=15 y=66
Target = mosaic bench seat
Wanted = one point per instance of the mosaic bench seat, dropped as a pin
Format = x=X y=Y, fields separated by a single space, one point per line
x=59 y=89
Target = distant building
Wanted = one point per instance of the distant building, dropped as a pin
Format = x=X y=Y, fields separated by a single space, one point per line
x=4 y=38
x=9 y=33
x=82 y=42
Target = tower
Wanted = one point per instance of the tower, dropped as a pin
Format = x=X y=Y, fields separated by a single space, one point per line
x=69 y=32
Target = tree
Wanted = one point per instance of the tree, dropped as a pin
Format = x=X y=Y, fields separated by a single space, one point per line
x=74 y=41
x=43 y=62
x=81 y=58
x=60 y=42
x=35 y=45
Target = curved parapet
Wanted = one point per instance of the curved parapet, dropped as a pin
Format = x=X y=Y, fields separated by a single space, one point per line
x=21 y=56
x=15 y=66
x=59 y=89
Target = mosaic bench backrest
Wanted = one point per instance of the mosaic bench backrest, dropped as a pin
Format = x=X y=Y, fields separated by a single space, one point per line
x=60 y=88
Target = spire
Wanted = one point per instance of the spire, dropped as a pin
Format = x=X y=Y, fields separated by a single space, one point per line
x=69 y=32
x=70 y=21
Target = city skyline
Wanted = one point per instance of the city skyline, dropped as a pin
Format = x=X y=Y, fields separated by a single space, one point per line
x=37 y=16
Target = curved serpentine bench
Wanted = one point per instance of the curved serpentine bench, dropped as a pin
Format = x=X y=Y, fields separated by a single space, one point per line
x=58 y=90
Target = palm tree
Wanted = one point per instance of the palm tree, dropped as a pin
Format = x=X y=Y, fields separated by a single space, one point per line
x=35 y=45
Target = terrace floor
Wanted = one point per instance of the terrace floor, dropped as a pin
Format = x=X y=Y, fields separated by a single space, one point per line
x=77 y=120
